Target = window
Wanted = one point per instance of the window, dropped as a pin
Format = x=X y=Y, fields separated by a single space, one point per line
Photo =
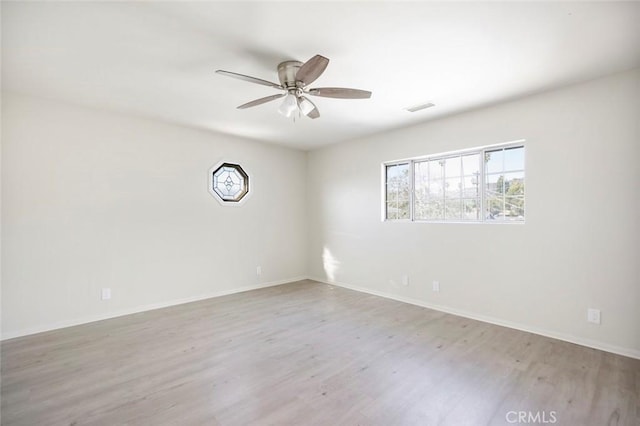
x=228 y=182
x=481 y=185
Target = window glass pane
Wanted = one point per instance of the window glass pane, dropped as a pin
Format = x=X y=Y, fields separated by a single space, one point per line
x=397 y=178
x=494 y=185
x=421 y=180
x=504 y=191
x=514 y=158
x=436 y=169
x=453 y=187
x=453 y=209
x=429 y=191
x=471 y=164
x=494 y=196
x=494 y=208
x=421 y=171
x=436 y=186
x=392 y=211
x=514 y=208
x=393 y=172
x=403 y=192
x=392 y=196
x=494 y=161
x=470 y=209
x=403 y=210
x=436 y=189
x=434 y=210
x=514 y=183
x=420 y=209
x=452 y=167
x=470 y=185
x=397 y=191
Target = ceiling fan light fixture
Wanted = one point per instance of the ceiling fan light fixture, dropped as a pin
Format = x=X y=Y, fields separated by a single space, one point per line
x=306 y=106
x=289 y=105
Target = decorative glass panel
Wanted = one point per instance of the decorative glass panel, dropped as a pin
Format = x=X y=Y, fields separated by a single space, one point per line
x=230 y=182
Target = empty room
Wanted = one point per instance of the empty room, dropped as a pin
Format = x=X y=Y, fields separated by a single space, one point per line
x=320 y=213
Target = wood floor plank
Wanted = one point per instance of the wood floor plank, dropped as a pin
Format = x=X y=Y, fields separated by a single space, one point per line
x=307 y=353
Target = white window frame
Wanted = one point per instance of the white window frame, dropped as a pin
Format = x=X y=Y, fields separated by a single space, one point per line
x=443 y=156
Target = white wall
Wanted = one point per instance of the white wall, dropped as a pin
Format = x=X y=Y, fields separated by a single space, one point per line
x=580 y=245
x=92 y=199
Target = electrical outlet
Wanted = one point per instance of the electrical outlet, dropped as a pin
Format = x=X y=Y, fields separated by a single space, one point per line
x=259 y=270
x=593 y=315
x=436 y=286
x=405 y=280
x=105 y=293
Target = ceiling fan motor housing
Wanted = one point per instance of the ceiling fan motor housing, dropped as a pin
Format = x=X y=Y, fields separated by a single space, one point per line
x=287 y=73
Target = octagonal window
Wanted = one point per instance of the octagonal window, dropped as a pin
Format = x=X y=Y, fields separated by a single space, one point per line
x=229 y=182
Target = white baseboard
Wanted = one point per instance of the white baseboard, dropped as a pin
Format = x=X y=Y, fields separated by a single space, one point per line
x=629 y=352
x=138 y=309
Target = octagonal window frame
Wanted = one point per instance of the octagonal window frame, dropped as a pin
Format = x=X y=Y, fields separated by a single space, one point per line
x=246 y=176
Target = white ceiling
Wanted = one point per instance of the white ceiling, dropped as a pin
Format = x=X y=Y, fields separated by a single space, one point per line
x=158 y=59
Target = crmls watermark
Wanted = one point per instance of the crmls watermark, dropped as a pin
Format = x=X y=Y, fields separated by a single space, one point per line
x=531 y=417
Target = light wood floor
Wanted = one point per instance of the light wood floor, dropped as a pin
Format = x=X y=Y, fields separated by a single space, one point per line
x=308 y=354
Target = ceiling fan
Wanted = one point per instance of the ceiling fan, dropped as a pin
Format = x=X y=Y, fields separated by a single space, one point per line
x=294 y=78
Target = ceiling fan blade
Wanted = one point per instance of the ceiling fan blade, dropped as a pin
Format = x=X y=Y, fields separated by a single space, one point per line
x=304 y=104
x=340 y=92
x=249 y=79
x=261 y=101
x=312 y=69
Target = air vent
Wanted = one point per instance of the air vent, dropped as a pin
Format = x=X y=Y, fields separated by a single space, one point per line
x=419 y=107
